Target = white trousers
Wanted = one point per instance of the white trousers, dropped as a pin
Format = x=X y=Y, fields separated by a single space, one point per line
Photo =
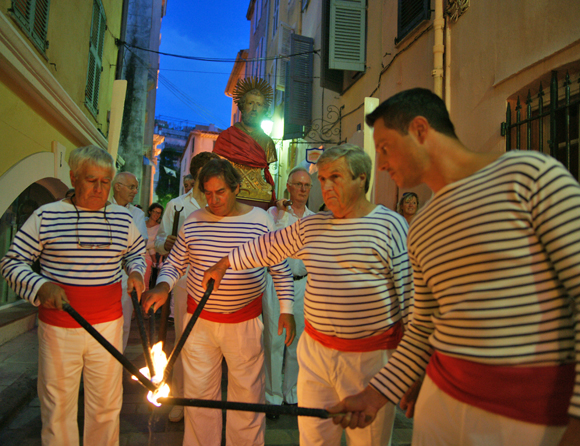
x=241 y=346
x=179 y=305
x=64 y=354
x=281 y=364
x=441 y=420
x=327 y=376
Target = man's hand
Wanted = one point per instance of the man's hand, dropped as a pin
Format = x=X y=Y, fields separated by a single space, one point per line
x=286 y=321
x=359 y=410
x=155 y=296
x=282 y=204
x=51 y=296
x=135 y=282
x=169 y=242
x=216 y=273
x=409 y=399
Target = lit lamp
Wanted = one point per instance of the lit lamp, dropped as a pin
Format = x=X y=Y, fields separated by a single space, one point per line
x=267 y=125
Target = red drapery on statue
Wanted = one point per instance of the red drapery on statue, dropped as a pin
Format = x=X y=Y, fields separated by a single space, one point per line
x=239 y=147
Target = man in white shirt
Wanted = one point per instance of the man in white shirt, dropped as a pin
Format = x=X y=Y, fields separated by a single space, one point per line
x=191 y=201
x=283 y=390
x=125 y=187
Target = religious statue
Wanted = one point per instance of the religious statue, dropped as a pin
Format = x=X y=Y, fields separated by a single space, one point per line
x=246 y=145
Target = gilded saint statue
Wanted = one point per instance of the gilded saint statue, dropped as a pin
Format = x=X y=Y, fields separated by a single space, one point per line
x=246 y=145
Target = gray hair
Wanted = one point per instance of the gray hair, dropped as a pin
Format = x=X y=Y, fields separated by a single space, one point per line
x=357 y=160
x=121 y=175
x=297 y=169
x=91 y=155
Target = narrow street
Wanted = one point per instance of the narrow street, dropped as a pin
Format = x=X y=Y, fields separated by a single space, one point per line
x=140 y=424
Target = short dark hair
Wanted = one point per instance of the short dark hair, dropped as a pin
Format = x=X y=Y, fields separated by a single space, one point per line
x=200 y=160
x=399 y=110
x=154 y=206
x=220 y=168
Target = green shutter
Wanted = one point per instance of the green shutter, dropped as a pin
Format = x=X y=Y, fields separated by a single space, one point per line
x=347 y=31
x=98 y=27
x=33 y=17
x=298 y=91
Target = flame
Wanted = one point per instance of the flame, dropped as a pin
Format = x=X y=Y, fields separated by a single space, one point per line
x=159 y=364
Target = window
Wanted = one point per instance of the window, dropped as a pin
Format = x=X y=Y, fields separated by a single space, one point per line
x=547 y=120
x=32 y=16
x=98 y=27
x=343 y=43
x=298 y=91
x=411 y=14
x=275 y=14
x=284 y=41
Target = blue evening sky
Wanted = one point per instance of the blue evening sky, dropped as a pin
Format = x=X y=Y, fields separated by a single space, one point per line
x=194 y=90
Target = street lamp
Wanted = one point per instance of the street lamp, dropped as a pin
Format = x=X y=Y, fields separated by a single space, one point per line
x=267 y=125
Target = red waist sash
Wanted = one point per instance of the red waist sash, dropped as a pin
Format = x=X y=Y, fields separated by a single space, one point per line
x=539 y=395
x=97 y=304
x=250 y=311
x=383 y=341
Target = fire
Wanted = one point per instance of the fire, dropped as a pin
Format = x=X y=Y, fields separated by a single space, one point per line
x=159 y=364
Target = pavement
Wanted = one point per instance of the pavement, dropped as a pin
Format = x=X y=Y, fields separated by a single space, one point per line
x=140 y=424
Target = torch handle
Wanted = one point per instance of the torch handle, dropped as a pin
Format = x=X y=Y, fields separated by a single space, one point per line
x=187 y=330
x=109 y=347
x=247 y=407
x=143 y=333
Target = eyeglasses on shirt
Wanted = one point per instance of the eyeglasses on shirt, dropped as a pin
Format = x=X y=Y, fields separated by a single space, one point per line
x=88 y=245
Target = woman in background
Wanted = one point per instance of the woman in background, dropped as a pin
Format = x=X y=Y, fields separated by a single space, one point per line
x=154 y=214
x=408 y=206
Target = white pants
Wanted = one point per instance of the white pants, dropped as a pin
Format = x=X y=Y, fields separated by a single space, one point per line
x=278 y=389
x=441 y=420
x=327 y=376
x=241 y=345
x=179 y=305
x=65 y=353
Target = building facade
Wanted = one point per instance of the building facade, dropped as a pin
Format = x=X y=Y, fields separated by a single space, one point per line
x=480 y=57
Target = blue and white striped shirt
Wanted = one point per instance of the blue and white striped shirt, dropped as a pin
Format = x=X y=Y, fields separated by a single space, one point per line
x=65 y=248
x=359 y=278
x=496 y=259
x=204 y=239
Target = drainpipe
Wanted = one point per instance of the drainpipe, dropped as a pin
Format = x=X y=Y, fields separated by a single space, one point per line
x=438 y=49
x=448 y=68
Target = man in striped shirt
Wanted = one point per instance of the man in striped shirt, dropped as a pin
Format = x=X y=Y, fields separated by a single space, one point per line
x=187 y=203
x=81 y=244
x=495 y=256
x=358 y=293
x=229 y=326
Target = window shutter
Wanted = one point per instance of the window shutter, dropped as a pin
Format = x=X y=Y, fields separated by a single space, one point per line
x=33 y=16
x=98 y=27
x=284 y=41
x=347 y=35
x=298 y=103
x=330 y=79
x=411 y=14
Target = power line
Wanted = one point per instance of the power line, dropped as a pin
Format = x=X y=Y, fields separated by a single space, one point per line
x=213 y=59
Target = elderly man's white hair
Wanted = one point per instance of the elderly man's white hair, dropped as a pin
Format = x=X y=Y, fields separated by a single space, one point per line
x=91 y=155
x=296 y=169
x=121 y=175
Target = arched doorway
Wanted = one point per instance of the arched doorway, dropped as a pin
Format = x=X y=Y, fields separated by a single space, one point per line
x=34 y=196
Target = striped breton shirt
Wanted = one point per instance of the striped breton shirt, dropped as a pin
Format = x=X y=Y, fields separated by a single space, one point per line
x=359 y=277
x=496 y=259
x=65 y=248
x=204 y=239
